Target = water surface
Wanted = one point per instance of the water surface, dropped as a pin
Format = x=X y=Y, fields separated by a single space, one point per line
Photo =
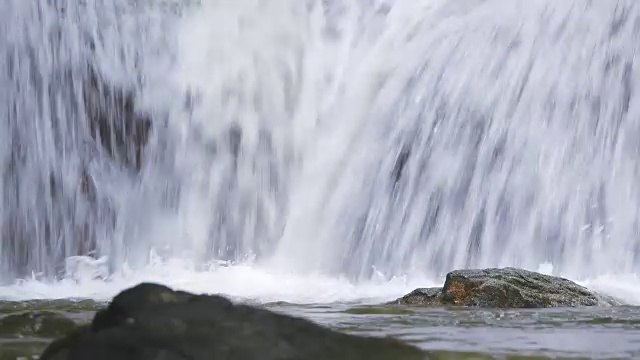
x=447 y=333
x=584 y=332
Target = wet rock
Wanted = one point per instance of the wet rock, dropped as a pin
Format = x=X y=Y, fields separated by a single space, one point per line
x=114 y=122
x=151 y=321
x=515 y=288
x=45 y=324
x=422 y=297
x=59 y=305
x=506 y=288
x=19 y=349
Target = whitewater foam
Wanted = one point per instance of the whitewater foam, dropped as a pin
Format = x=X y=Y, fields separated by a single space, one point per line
x=86 y=278
x=242 y=282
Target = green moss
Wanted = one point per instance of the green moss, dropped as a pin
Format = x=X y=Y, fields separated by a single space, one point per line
x=21 y=349
x=44 y=324
x=67 y=305
x=167 y=297
x=611 y=321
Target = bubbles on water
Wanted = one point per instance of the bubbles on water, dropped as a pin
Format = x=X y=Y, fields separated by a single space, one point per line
x=86 y=268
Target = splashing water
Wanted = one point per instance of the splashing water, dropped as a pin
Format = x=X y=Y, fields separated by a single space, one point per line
x=343 y=150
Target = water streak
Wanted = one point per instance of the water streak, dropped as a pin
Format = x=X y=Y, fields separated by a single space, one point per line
x=375 y=138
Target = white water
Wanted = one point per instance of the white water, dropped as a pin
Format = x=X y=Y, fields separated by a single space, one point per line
x=381 y=144
x=239 y=282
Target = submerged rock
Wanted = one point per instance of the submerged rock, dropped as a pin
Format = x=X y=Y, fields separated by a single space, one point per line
x=43 y=324
x=151 y=321
x=19 y=349
x=57 y=305
x=506 y=288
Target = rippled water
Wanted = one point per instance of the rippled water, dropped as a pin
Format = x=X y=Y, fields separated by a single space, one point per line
x=445 y=333
x=606 y=333
x=591 y=333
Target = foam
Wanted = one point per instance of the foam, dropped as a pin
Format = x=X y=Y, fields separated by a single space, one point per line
x=247 y=282
x=244 y=282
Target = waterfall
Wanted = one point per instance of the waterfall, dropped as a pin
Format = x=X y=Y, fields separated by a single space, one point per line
x=68 y=155
x=345 y=138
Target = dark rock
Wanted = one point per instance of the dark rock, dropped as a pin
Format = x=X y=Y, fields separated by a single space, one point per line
x=506 y=288
x=154 y=322
x=422 y=297
x=114 y=122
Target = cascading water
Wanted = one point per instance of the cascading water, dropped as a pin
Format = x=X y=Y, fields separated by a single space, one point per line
x=375 y=137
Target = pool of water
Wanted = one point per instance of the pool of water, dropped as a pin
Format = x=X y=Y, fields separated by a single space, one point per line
x=589 y=333
x=445 y=333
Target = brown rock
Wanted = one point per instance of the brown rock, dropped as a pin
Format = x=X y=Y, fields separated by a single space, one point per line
x=421 y=297
x=515 y=288
x=505 y=288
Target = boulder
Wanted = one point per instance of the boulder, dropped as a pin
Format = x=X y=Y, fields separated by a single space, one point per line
x=506 y=288
x=422 y=297
x=151 y=321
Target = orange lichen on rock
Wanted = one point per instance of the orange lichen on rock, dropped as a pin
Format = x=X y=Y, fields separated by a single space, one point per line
x=459 y=291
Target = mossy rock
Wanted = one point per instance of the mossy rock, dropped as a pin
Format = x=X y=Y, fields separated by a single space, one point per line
x=516 y=288
x=505 y=288
x=66 y=305
x=12 y=350
x=421 y=297
x=44 y=324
